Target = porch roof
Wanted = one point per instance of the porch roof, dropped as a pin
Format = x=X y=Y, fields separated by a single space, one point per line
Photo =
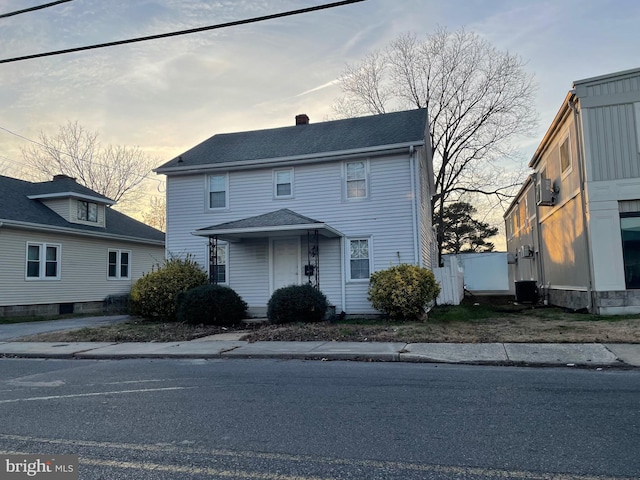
x=283 y=222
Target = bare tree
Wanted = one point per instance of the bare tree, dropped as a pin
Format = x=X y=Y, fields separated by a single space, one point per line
x=116 y=172
x=156 y=215
x=479 y=100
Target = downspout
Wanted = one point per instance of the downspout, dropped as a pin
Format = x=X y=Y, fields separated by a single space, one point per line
x=417 y=258
x=583 y=198
x=343 y=273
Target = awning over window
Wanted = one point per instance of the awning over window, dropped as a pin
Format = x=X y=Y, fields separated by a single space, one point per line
x=282 y=222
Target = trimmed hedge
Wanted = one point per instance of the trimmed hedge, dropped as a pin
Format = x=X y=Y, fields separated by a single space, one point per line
x=154 y=296
x=297 y=303
x=211 y=305
x=403 y=291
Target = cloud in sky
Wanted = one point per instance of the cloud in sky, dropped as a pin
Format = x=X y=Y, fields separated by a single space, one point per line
x=167 y=95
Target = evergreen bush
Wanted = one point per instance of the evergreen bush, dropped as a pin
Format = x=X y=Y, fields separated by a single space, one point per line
x=154 y=296
x=211 y=305
x=297 y=303
x=403 y=292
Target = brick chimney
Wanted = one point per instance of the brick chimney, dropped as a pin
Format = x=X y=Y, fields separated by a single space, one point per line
x=302 y=119
x=62 y=176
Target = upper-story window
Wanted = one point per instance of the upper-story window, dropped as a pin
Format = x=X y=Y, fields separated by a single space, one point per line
x=43 y=261
x=218 y=191
x=356 y=179
x=87 y=211
x=283 y=183
x=565 y=156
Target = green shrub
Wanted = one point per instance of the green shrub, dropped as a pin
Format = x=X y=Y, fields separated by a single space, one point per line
x=154 y=296
x=403 y=291
x=211 y=305
x=297 y=303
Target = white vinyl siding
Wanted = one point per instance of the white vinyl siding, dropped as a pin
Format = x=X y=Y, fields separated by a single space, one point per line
x=319 y=194
x=119 y=264
x=82 y=265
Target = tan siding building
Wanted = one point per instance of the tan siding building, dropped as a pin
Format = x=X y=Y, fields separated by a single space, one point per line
x=574 y=228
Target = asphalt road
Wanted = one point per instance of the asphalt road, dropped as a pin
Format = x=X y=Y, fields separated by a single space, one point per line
x=285 y=420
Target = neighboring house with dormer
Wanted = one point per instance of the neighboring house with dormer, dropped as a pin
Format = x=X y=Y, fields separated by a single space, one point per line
x=574 y=227
x=326 y=203
x=64 y=250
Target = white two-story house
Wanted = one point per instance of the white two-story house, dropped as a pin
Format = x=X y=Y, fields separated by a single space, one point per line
x=326 y=203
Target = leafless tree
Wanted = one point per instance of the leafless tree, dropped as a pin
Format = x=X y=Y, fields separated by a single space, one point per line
x=116 y=172
x=479 y=100
x=156 y=214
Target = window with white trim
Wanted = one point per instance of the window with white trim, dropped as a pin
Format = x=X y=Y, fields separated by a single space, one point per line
x=43 y=261
x=283 y=183
x=218 y=191
x=356 y=179
x=119 y=265
x=359 y=259
x=219 y=270
x=87 y=211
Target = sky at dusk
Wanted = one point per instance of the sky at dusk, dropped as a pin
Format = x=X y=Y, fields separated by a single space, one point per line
x=167 y=95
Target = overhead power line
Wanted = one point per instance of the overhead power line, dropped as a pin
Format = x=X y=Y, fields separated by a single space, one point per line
x=31 y=9
x=183 y=32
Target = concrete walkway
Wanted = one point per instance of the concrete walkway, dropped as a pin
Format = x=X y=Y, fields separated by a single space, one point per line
x=589 y=355
x=229 y=345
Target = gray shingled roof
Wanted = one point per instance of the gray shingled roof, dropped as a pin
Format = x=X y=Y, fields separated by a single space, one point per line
x=16 y=206
x=313 y=138
x=279 y=218
x=283 y=220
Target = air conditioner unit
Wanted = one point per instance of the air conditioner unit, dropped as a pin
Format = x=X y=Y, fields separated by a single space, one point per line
x=545 y=195
x=526 y=251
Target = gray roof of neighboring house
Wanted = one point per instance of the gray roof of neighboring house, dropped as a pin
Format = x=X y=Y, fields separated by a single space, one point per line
x=16 y=206
x=314 y=138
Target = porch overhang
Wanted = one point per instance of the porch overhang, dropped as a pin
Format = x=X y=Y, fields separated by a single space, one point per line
x=281 y=223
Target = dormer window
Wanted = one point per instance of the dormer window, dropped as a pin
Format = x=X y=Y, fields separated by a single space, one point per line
x=87 y=211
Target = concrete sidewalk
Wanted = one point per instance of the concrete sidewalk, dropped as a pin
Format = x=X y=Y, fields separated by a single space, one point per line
x=590 y=355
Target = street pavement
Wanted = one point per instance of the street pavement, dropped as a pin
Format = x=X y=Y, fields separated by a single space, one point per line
x=230 y=346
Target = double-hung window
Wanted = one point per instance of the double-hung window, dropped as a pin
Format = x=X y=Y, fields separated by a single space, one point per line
x=87 y=211
x=119 y=265
x=43 y=261
x=283 y=183
x=359 y=259
x=218 y=268
x=218 y=191
x=356 y=179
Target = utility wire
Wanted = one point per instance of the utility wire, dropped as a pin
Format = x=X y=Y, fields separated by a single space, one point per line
x=183 y=32
x=31 y=9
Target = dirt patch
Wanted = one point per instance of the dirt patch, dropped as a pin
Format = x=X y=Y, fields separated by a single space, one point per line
x=469 y=323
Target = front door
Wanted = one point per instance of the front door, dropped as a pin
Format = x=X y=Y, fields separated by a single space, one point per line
x=286 y=262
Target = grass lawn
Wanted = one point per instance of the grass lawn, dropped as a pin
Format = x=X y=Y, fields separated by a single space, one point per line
x=467 y=323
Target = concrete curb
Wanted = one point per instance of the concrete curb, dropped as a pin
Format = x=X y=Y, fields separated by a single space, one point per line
x=516 y=354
